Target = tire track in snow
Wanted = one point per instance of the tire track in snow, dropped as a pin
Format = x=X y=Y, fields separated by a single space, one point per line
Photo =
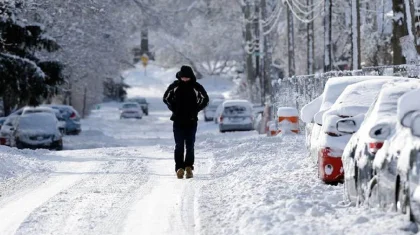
x=97 y=205
x=15 y=211
x=169 y=208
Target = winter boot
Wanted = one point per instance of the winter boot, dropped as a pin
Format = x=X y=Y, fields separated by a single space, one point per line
x=189 y=173
x=180 y=173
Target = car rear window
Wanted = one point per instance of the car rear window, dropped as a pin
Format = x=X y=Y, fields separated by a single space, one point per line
x=235 y=111
x=128 y=106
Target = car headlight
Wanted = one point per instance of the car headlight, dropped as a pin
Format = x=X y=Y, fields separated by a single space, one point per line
x=328 y=169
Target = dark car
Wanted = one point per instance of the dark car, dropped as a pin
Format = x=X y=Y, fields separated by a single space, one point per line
x=70 y=116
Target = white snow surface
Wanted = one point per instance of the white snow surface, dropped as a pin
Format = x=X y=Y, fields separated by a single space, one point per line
x=118 y=177
x=287 y=112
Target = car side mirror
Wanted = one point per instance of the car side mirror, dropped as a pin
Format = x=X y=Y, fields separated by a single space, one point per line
x=380 y=132
x=415 y=125
x=347 y=126
x=407 y=119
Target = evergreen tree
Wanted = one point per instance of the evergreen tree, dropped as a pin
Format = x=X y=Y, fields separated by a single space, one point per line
x=24 y=78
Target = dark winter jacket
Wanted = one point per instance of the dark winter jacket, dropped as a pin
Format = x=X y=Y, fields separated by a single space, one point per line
x=185 y=99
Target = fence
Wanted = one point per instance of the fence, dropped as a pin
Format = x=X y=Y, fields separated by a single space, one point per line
x=297 y=91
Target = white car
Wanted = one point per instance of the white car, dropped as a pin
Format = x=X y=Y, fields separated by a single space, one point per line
x=131 y=110
x=237 y=115
x=353 y=103
x=333 y=89
x=307 y=114
x=379 y=124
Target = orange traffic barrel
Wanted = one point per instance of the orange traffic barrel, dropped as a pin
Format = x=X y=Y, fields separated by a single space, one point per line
x=288 y=119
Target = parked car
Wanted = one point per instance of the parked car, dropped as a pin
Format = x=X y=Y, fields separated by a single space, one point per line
x=142 y=102
x=37 y=130
x=333 y=89
x=7 y=129
x=307 y=114
x=70 y=116
x=210 y=110
x=45 y=109
x=380 y=121
x=131 y=110
x=236 y=116
x=396 y=163
x=350 y=106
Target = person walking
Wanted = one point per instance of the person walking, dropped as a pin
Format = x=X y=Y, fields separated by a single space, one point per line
x=185 y=97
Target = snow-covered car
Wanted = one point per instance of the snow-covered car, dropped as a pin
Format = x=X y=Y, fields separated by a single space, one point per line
x=70 y=116
x=236 y=116
x=333 y=89
x=131 y=110
x=379 y=123
x=397 y=163
x=142 y=102
x=307 y=114
x=351 y=105
x=7 y=129
x=37 y=130
x=45 y=109
x=210 y=110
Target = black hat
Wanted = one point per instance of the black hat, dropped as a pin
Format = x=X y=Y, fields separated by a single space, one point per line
x=187 y=72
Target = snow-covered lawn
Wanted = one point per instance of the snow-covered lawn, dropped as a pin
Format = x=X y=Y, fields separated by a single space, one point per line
x=118 y=177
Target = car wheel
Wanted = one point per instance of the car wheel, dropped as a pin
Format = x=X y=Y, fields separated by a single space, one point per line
x=359 y=188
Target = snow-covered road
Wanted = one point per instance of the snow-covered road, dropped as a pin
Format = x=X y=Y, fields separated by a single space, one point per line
x=118 y=177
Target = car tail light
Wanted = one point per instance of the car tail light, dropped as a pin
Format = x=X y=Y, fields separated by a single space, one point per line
x=221 y=119
x=326 y=151
x=73 y=115
x=375 y=146
x=332 y=134
x=2 y=141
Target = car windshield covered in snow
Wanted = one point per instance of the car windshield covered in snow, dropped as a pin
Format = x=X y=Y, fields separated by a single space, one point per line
x=42 y=122
x=236 y=110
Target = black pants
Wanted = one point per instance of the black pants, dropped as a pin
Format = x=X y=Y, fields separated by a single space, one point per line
x=184 y=138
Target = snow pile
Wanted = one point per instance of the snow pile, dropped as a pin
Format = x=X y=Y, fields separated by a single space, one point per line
x=265 y=185
x=287 y=112
x=14 y=163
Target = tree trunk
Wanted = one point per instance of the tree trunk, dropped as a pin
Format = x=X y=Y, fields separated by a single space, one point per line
x=327 y=36
x=310 y=46
x=355 y=31
x=398 y=31
x=267 y=58
x=250 y=74
x=290 y=42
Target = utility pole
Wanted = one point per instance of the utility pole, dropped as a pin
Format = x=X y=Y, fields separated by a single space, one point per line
x=267 y=57
x=355 y=31
x=248 y=46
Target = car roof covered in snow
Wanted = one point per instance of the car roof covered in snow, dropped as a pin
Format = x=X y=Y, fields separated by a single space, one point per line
x=385 y=109
x=358 y=97
x=308 y=111
x=408 y=102
x=336 y=85
x=237 y=103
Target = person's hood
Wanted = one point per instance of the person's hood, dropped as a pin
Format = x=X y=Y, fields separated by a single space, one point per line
x=186 y=71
